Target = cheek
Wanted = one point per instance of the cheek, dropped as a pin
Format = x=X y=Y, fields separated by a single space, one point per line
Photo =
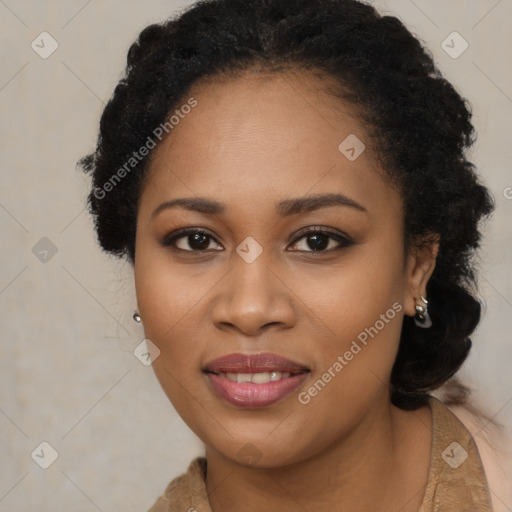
x=169 y=304
x=168 y=293
x=361 y=304
x=352 y=295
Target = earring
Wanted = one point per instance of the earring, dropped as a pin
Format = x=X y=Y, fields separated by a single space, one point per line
x=422 y=318
x=137 y=317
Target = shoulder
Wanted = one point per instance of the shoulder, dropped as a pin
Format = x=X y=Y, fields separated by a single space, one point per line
x=494 y=444
x=185 y=489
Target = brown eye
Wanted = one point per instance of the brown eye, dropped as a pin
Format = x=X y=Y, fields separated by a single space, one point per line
x=318 y=240
x=196 y=240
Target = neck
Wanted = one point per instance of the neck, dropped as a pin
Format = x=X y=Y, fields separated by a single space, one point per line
x=382 y=464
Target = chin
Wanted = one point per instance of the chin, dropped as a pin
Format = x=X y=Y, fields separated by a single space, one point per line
x=259 y=452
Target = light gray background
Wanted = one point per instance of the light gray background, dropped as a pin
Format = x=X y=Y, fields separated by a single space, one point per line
x=68 y=375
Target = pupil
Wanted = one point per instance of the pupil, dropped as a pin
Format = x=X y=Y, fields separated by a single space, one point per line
x=202 y=239
x=319 y=244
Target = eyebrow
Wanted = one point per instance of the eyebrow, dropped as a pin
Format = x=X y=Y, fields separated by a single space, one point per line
x=284 y=208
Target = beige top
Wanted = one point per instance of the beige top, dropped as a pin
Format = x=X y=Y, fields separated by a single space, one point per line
x=456 y=479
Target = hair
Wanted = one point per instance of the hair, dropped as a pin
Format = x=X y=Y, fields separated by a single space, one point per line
x=419 y=125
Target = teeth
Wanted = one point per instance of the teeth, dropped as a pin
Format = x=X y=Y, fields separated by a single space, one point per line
x=243 y=377
x=255 y=378
x=261 y=378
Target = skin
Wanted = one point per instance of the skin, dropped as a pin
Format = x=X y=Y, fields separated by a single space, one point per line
x=251 y=142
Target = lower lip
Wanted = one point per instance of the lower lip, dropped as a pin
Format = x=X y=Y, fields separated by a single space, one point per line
x=249 y=395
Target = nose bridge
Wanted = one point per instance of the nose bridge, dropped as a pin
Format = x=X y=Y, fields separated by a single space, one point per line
x=251 y=278
x=252 y=296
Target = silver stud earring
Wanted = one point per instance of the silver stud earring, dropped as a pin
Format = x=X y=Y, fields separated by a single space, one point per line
x=137 y=317
x=422 y=318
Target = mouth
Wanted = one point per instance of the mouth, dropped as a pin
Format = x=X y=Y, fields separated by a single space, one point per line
x=254 y=380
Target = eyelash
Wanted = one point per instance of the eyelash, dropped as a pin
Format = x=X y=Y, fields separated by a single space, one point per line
x=343 y=240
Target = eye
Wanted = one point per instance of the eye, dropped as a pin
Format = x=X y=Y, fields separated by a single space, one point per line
x=318 y=240
x=198 y=240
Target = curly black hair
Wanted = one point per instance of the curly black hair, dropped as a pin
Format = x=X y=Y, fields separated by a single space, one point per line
x=419 y=124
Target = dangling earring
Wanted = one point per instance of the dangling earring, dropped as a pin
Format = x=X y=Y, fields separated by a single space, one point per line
x=137 y=317
x=422 y=318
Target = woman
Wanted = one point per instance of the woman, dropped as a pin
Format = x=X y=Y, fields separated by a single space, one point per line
x=289 y=182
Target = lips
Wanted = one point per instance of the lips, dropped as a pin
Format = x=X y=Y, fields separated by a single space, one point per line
x=254 y=380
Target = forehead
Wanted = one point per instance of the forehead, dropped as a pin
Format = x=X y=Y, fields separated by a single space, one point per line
x=266 y=136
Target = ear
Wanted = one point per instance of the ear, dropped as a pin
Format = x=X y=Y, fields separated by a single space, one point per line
x=420 y=265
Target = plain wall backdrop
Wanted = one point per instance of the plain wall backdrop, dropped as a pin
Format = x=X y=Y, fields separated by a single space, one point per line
x=68 y=374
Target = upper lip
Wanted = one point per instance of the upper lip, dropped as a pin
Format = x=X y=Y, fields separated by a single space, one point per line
x=253 y=363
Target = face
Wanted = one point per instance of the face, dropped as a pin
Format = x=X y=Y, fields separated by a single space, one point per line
x=322 y=283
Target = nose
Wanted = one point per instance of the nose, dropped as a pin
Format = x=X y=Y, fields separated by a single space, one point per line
x=253 y=297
